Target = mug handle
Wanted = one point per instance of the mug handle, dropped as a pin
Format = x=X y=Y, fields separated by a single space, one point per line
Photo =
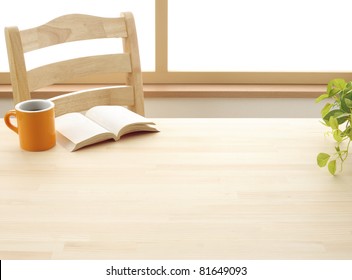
x=8 y=122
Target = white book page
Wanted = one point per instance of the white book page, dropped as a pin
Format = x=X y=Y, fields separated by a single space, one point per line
x=114 y=118
x=77 y=128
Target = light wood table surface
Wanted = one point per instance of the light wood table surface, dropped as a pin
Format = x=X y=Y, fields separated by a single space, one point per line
x=199 y=189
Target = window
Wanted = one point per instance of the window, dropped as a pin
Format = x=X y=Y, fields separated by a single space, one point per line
x=256 y=41
x=221 y=41
x=259 y=36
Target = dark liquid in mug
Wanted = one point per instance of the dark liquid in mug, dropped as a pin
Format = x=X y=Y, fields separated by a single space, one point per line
x=34 y=110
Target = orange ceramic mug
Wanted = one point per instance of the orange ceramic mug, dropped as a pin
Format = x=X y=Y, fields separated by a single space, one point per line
x=35 y=124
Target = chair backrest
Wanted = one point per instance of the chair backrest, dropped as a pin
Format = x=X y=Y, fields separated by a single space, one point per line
x=70 y=28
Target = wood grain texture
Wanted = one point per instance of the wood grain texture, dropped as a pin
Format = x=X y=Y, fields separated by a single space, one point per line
x=86 y=99
x=70 y=28
x=199 y=189
x=134 y=78
x=64 y=70
x=17 y=65
x=195 y=91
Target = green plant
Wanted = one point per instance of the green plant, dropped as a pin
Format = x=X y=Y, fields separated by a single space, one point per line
x=337 y=116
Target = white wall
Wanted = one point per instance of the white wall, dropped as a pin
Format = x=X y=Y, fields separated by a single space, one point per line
x=233 y=107
x=222 y=107
x=5 y=104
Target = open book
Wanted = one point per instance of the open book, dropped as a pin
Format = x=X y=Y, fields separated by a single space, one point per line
x=100 y=123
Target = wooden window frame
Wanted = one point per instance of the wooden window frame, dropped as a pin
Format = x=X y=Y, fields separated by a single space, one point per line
x=162 y=76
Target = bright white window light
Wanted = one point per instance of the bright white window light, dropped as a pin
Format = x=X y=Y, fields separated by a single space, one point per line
x=260 y=35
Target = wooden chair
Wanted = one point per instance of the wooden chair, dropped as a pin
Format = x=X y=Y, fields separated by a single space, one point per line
x=70 y=28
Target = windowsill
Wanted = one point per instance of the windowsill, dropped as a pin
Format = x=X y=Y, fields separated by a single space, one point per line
x=193 y=91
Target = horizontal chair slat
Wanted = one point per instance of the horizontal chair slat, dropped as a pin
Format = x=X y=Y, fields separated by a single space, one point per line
x=48 y=74
x=61 y=30
x=74 y=102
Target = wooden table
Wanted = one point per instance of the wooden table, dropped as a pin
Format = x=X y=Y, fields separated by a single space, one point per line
x=199 y=189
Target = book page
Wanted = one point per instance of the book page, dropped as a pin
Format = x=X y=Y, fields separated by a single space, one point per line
x=115 y=118
x=79 y=130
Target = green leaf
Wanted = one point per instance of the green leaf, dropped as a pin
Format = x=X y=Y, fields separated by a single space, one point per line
x=348 y=102
x=335 y=86
x=326 y=109
x=322 y=159
x=321 y=97
x=337 y=135
x=344 y=105
x=332 y=167
x=323 y=123
x=349 y=134
x=339 y=84
x=340 y=115
x=333 y=122
x=348 y=93
x=333 y=92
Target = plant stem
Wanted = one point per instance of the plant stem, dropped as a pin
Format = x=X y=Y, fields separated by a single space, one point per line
x=348 y=146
